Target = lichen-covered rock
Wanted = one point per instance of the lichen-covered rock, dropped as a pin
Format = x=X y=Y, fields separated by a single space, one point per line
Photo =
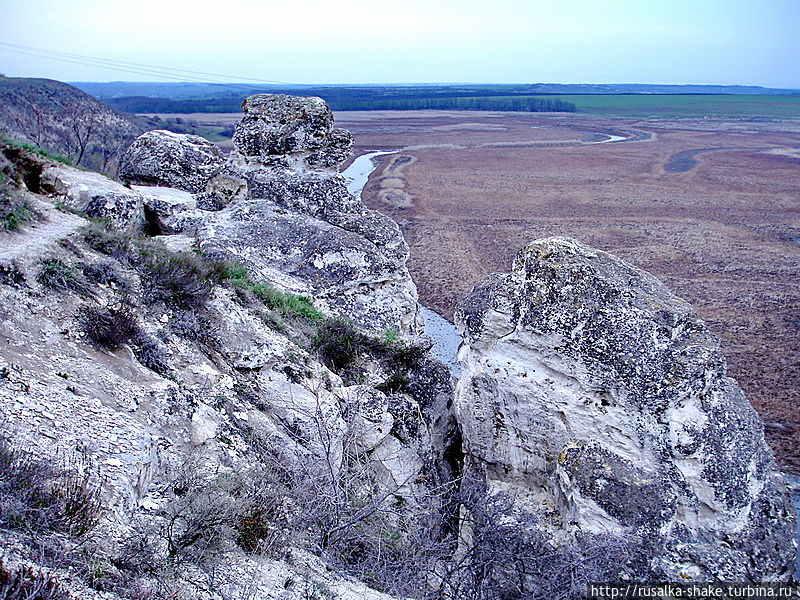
x=284 y=130
x=345 y=273
x=162 y=204
x=95 y=195
x=163 y=158
x=325 y=197
x=369 y=417
x=221 y=191
x=599 y=400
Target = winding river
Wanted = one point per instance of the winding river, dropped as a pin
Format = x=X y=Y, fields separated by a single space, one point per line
x=442 y=332
x=357 y=174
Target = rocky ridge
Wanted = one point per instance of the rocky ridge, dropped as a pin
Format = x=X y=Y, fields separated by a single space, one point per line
x=252 y=443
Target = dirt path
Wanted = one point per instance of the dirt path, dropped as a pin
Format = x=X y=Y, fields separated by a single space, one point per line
x=34 y=239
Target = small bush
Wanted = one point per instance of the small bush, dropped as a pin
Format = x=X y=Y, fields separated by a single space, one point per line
x=106 y=274
x=177 y=279
x=390 y=336
x=204 y=515
x=196 y=326
x=26 y=584
x=396 y=382
x=14 y=213
x=151 y=354
x=57 y=275
x=37 y=496
x=109 y=328
x=339 y=344
x=102 y=239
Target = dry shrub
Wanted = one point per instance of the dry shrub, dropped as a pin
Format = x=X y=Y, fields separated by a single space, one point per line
x=109 y=328
x=38 y=495
x=26 y=584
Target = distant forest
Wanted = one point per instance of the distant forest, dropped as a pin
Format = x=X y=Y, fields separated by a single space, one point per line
x=497 y=98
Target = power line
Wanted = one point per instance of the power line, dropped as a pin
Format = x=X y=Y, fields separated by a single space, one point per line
x=119 y=65
x=76 y=62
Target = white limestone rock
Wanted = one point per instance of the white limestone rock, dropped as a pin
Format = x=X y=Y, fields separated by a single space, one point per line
x=167 y=159
x=96 y=195
x=280 y=129
x=599 y=400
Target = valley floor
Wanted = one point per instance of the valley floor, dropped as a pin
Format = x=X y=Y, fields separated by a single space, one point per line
x=710 y=207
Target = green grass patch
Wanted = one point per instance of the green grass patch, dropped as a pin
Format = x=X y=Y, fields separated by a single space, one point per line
x=38 y=151
x=283 y=303
x=753 y=106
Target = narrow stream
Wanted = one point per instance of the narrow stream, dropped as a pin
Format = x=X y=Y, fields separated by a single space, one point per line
x=357 y=174
x=611 y=138
x=446 y=338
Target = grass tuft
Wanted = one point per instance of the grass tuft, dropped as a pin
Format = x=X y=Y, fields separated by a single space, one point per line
x=56 y=274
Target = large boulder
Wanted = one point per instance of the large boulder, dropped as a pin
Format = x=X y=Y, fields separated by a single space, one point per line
x=163 y=158
x=599 y=402
x=281 y=129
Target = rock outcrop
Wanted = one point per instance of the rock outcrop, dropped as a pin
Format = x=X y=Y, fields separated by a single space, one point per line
x=290 y=131
x=278 y=206
x=598 y=401
x=177 y=160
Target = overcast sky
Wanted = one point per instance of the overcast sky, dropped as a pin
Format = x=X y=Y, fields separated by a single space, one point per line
x=752 y=42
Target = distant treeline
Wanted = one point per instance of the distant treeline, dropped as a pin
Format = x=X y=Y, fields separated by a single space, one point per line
x=361 y=99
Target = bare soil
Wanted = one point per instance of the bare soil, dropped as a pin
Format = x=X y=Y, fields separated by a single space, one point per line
x=710 y=207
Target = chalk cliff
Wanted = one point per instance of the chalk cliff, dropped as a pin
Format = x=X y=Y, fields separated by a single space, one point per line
x=598 y=401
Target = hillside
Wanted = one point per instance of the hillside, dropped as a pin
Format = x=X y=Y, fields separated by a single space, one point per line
x=217 y=385
x=65 y=121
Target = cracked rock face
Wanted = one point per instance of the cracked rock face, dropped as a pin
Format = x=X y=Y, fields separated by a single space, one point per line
x=163 y=158
x=279 y=129
x=278 y=206
x=599 y=401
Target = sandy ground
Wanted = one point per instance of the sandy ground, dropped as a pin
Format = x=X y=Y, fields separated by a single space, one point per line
x=710 y=207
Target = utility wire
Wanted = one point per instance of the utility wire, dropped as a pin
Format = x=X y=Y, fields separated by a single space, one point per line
x=119 y=65
x=138 y=72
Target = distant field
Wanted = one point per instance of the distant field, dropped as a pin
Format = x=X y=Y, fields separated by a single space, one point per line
x=669 y=106
x=685 y=105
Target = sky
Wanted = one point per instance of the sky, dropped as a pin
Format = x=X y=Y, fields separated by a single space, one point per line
x=751 y=42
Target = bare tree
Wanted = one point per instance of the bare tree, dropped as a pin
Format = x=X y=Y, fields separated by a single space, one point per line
x=83 y=122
